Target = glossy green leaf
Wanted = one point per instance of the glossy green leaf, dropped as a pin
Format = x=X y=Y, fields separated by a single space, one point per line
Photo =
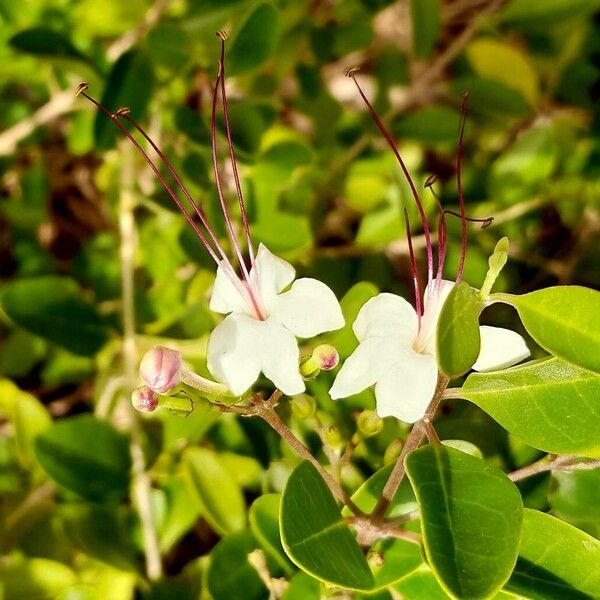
x=565 y=321
x=367 y=495
x=421 y=584
x=575 y=497
x=35 y=579
x=264 y=523
x=181 y=512
x=86 y=456
x=556 y=561
x=216 y=490
x=426 y=21
x=392 y=560
x=54 y=308
x=302 y=587
x=130 y=84
x=471 y=519
x=458 y=339
x=315 y=536
x=549 y=404
x=230 y=575
x=255 y=40
x=42 y=41
x=541 y=13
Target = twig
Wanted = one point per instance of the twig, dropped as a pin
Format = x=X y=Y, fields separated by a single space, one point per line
x=130 y=38
x=412 y=442
x=59 y=104
x=368 y=532
x=561 y=463
x=142 y=486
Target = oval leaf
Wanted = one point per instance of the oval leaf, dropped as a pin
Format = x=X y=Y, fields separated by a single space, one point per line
x=255 y=40
x=216 y=490
x=556 y=560
x=426 y=20
x=314 y=535
x=86 y=456
x=53 y=308
x=458 y=340
x=550 y=404
x=398 y=558
x=41 y=41
x=35 y=579
x=564 y=320
x=471 y=519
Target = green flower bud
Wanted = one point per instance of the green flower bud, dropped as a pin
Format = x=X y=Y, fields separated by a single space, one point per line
x=333 y=438
x=304 y=407
x=375 y=559
x=369 y=423
x=392 y=452
x=323 y=358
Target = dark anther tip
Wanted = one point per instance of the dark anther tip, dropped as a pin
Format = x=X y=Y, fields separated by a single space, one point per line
x=124 y=110
x=82 y=87
x=222 y=34
x=351 y=71
x=430 y=181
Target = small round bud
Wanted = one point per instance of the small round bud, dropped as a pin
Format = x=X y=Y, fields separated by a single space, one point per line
x=144 y=399
x=161 y=369
x=369 y=423
x=323 y=358
x=304 y=406
x=333 y=437
x=392 y=452
x=375 y=559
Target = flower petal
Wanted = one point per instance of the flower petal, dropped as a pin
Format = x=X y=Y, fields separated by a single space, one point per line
x=231 y=353
x=362 y=368
x=406 y=388
x=273 y=275
x=386 y=315
x=308 y=308
x=226 y=297
x=241 y=347
x=500 y=348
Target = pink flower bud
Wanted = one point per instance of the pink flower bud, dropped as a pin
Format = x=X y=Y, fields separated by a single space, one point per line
x=327 y=357
x=161 y=369
x=144 y=399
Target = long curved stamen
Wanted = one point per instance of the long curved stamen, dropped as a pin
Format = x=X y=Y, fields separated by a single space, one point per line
x=350 y=72
x=197 y=208
x=223 y=36
x=228 y=222
x=442 y=231
x=113 y=117
x=461 y=200
x=413 y=268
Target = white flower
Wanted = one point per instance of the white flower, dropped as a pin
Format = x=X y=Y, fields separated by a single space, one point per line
x=263 y=322
x=399 y=358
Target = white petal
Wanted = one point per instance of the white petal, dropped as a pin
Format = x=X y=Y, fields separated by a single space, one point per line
x=362 y=368
x=241 y=347
x=273 y=275
x=386 y=315
x=226 y=297
x=308 y=308
x=500 y=348
x=433 y=299
x=231 y=353
x=406 y=388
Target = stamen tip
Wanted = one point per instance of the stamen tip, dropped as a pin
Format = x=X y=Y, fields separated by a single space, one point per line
x=351 y=71
x=487 y=222
x=82 y=87
x=221 y=34
x=123 y=110
x=430 y=181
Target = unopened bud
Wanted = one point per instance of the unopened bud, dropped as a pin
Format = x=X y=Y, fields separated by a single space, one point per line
x=323 y=358
x=375 y=559
x=333 y=437
x=392 y=452
x=304 y=406
x=161 y=369
x=369 y=423
x=144 y=399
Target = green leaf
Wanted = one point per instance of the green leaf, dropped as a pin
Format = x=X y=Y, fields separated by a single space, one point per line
x=315 y=536
x=42 y=41
x=564 y=320
x=302 y=587
x=458 y=339
x=421 y=584
x=53 y=308
x=230 y=575
x=255 y=40
x=86 y=456
x=550 y=404
x=35 y=579
x=264 y=523
x=130 y=84
x=542 y=13
x=431 y=125
x=426 y=21
x=216 y=490
x=556 y=561
x=471 y=519
x=575 y=497
x=395 y=559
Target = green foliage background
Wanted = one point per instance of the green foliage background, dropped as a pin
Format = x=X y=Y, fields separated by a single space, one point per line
x=323 y=191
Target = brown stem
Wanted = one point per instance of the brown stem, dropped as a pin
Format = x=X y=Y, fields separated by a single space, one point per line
x=562 y=463
x=412 y=443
